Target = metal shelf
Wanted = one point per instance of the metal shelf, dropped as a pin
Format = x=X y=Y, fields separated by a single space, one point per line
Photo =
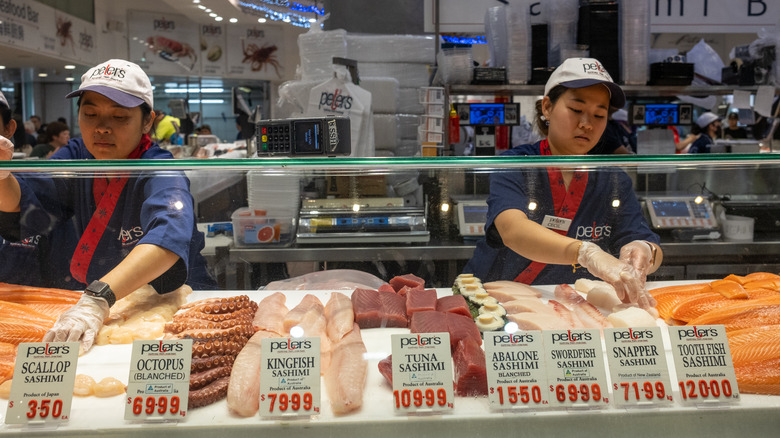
x=630 y=90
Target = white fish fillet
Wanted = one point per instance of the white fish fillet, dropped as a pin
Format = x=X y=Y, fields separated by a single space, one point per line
x=528 y=304
x=270 y=314
x=631 y=317
x=243 y=395
x=339 y=316
x=345 y=380
x=566 y=314
x=603 y=296
x=296 y=314
x=537 y=321
x=309 y=315
x=512 y=287
x=587 y=313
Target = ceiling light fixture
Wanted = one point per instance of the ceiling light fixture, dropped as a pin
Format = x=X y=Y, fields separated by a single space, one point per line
x=212 y=15
x=43 y=75
x=234 y=20
x=201 y=7
x=218 y=18
x=70 y=67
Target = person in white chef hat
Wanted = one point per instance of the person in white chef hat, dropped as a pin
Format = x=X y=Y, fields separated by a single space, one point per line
x=708 y=125
x=543 y=222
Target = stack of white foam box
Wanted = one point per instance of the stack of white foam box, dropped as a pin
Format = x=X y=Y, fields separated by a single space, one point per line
x=394 y=78
x=431 y=130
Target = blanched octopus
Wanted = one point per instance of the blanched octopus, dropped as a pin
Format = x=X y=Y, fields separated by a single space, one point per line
x=219 y=328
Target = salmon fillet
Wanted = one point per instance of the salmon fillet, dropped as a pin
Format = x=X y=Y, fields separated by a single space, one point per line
x=681 y=289
x=53 y=310
x=29 y=294
x=755 y=344
x=24 y=313
x=695 y=306
x=748 y=313
x=13 y=332
x=759 y=377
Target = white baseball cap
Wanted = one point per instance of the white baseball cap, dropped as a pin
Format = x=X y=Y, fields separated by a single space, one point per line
x=706 y=118
x=121 y=81
x=3 y=102
x=620 y=115
x=584 y=72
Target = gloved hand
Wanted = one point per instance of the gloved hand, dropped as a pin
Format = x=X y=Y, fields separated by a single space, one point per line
x=80 y=323
x=6 y=153
x=628 y=283
x=638 y=254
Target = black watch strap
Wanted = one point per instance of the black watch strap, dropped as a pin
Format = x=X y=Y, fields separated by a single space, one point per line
x=100 y=289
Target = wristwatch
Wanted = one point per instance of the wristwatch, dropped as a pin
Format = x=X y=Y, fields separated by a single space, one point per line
x=102 y=290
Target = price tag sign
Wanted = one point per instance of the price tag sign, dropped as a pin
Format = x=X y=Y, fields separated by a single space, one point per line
x=290 y=377
x=516 y=373
x=575 y=368
x=159 y=383
x=702 y=359
x=422 y=373
x=42 y=388
x=637 y=367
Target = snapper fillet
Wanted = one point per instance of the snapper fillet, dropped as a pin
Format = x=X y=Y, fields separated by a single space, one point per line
x=243 y=396
x=345 y=379
x=339 y=316
x=745 y=314
x=270 y=314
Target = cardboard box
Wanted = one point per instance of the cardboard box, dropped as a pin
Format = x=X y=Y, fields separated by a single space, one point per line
x=366 y=185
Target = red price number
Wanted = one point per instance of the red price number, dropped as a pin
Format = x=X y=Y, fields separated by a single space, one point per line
x=407 y=398
x=45 y=408
x=574 y=392
x=693 y=389
x=159 y=405
x=290 y=402
x=645 y=390
x=522 y=393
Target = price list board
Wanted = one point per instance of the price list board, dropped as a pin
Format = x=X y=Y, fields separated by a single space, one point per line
x=576 y=374
x=516 y=373
x=42 y=390
x=702 y=359
x=290 y=377
x=422 y=373
x=159 y=382
x=637 y=367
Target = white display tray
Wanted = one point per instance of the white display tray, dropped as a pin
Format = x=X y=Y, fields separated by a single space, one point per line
x=754 y=415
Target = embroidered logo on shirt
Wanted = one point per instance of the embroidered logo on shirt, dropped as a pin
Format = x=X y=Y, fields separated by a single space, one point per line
x=594 y=231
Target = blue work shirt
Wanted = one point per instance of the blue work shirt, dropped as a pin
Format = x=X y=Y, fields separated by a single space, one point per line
x=154 y=207
x=597 y=220
x=701 y=145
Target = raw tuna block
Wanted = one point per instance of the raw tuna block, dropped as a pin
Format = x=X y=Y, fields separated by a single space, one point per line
x=405 y=290
x=393 y=310
x=386 y=369
x=418 y=300
x=453 y=304
x=386 y=287
x=429 y=321
x=367 y=307
x=469 y=368
x=461 y=327
x=410 y=280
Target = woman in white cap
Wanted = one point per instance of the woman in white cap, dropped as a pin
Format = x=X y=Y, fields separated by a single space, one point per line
x=116 y=232
x=708 y=125
x=542 y=222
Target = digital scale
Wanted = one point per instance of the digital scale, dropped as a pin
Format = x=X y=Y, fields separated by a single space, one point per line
x=471 y=215
x=367 y=220
x=687 y=217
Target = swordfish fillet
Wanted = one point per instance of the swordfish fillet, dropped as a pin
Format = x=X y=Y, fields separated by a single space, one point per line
x=339 y=316
x=345 y=379
x=270 y=314
x=243 y=395
x=586 y=312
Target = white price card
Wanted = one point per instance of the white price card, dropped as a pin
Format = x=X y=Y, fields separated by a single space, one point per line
x=42 y=388
x=516 y=374
x=576 y=375
x=637 y=367
x=290 y=377
x=702 y=359
x=422 y=373
x=159 y=383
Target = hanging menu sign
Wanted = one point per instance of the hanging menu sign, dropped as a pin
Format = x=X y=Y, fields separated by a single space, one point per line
x=159 y=382
x=702 y=359
x=290 y=377
x=637 y=367
x=516 y=372
x=255 y=52
x=213 y=50
x=163 y=44
x=42 y=388
x=422 y=373
x=575 y=368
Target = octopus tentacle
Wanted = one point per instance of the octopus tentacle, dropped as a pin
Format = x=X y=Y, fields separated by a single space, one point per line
x=199 y=364
x=204 y=334
x=216 y=347
x=203 y=378
x=243 y=313
x=214 y=300
x=191 y=324
x=213 y=392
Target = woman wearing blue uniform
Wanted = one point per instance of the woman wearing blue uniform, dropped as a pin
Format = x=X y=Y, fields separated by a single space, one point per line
x=118 y=231
x=542 y=221
x=708 y=125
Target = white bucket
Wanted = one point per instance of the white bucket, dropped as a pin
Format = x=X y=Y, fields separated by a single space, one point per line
x=738 y=228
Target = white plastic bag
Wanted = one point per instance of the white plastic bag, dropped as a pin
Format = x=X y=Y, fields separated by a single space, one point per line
x=706 y=61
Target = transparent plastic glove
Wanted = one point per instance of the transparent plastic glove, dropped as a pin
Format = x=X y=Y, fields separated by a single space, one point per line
x=638 y=254
x=6 y=153
x=80 y=323
x=628 y=283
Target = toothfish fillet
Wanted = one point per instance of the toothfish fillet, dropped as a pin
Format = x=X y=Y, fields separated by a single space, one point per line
x=243 y=396
x=339 y=316
x=270 y=314
x=748 y=313
x=345 y=379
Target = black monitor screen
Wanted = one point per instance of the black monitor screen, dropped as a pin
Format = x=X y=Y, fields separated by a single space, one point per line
x=486 y=114
x=475 y=214
x=661 y=114
x=308 y=137
x=671 y=209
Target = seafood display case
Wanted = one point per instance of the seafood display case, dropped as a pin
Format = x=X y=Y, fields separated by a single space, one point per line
x=414 y=278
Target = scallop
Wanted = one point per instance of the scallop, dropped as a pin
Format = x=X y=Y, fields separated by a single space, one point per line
x=5 y=389
x=84 y=386
x=109 y=387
